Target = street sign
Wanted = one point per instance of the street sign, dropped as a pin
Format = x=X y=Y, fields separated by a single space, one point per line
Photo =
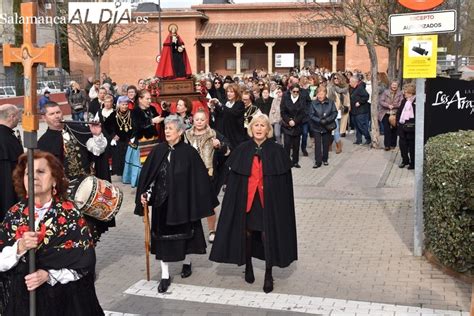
x=420 y=5
x=431 y=22
x=420 y=55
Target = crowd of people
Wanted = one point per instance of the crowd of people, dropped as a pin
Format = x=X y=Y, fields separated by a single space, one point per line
x=246 y=135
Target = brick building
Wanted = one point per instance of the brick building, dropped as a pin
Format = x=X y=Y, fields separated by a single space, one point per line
x=217 y=35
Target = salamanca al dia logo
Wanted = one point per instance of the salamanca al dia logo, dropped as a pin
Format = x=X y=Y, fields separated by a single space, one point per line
x=99 y=12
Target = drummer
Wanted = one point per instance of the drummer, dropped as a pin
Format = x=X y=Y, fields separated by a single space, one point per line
x=81 y=150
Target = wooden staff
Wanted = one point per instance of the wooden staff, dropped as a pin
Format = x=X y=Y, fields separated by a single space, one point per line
x=147 y=240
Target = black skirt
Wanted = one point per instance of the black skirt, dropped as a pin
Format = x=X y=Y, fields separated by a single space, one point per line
x=171 y=243
x=77 y=298
x=118 y=157
x=254 y=218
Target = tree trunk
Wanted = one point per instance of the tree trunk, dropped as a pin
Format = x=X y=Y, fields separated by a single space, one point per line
x=400 y=67
x=96 y=60
x=374 y=111
x=392 y=61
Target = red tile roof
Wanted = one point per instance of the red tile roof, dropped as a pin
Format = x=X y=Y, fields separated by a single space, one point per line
x=256 y=30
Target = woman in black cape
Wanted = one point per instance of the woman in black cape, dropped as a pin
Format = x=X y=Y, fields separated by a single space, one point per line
x=175 y=180
x=258 y=213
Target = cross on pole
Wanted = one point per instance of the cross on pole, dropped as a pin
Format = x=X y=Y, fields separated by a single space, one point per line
x=30 y=56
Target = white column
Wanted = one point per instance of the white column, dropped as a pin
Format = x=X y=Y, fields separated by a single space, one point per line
x=237 y=57
x=270 y=56
x=206 y=56
x=334 y=55
x=301 y=45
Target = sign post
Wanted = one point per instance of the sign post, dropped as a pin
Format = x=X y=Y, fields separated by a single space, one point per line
x=420 y=53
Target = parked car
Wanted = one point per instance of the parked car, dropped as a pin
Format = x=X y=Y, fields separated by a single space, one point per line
x=7 y=92
x=51 y=86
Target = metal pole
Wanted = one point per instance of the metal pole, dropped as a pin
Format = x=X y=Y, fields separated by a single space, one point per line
x=419 y=157
x=159 y=26
x=458 y=39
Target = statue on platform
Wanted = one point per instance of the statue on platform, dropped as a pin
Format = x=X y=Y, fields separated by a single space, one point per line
x=174 y=62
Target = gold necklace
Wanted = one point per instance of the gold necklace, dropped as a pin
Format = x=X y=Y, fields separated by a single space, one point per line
x=124 y=122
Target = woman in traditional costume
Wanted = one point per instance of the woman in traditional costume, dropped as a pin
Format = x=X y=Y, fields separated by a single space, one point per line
x=144 y=118
x=122 y=132
x=175 y=182
x=258 y=212
x=65 y=256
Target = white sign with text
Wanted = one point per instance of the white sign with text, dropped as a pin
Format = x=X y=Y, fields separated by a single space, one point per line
x=432 y=22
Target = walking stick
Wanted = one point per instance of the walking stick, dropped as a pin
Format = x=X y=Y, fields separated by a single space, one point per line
x=147 y=241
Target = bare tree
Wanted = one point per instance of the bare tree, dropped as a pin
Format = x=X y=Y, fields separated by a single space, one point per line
x=96 y=39
x=369 y=20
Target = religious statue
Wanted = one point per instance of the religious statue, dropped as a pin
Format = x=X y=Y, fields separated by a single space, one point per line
x=173 y=62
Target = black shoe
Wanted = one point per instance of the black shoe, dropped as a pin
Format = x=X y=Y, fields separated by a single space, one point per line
x=402 y=165
x=356 y=143
x=186 y=271
x=343 y=134
x=325 y=163
x=316 y=165
x=163 y=286
x=369 y=142
x=249 y=276
x=411 y=167
x=387 y=148
x=268 y=285
x=296 y=165
x=305 y=153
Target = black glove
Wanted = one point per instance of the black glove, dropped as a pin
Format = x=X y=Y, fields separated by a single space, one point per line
x=323 y=121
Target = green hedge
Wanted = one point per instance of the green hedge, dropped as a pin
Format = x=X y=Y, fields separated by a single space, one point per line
x=449 y=199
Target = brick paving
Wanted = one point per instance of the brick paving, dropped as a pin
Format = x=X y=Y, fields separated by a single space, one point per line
x=355 y=239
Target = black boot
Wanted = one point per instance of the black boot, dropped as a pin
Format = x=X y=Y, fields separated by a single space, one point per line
x=186 y=271
x=249 y=276
x=268 y=283
x=163 y=286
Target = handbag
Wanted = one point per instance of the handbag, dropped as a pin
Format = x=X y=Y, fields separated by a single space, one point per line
x=345 y=109
x=392 y=120
x=77 y=107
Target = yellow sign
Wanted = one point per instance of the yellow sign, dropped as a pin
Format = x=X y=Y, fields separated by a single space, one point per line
x=420 y=56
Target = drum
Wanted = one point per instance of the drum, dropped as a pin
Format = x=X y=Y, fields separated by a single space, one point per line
x=98 y=198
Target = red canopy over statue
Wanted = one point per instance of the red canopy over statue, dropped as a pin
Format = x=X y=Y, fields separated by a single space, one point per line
x=174 y=61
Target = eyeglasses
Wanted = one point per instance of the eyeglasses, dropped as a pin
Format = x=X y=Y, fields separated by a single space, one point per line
x=217 y=82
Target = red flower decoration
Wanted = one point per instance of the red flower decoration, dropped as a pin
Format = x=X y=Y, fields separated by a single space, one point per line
x=81 y=222
x=14 y=208
x=20 y=231
x=62 y=220
x=41 y=233
x=67 y=205
x=68 y=244
x=26 y=211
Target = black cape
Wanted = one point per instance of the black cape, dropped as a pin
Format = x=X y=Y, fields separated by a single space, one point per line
x=180 y=199
x=190 y=196
x=10 y=150
x=280 y=248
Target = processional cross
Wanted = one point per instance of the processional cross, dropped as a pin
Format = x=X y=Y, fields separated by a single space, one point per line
x=29 y=55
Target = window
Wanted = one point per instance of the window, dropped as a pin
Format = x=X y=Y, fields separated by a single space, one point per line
x=231 y=65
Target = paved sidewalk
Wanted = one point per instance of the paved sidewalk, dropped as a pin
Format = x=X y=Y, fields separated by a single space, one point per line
x=355 y=239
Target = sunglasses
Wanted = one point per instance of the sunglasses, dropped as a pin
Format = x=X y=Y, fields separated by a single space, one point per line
x=295 y=91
